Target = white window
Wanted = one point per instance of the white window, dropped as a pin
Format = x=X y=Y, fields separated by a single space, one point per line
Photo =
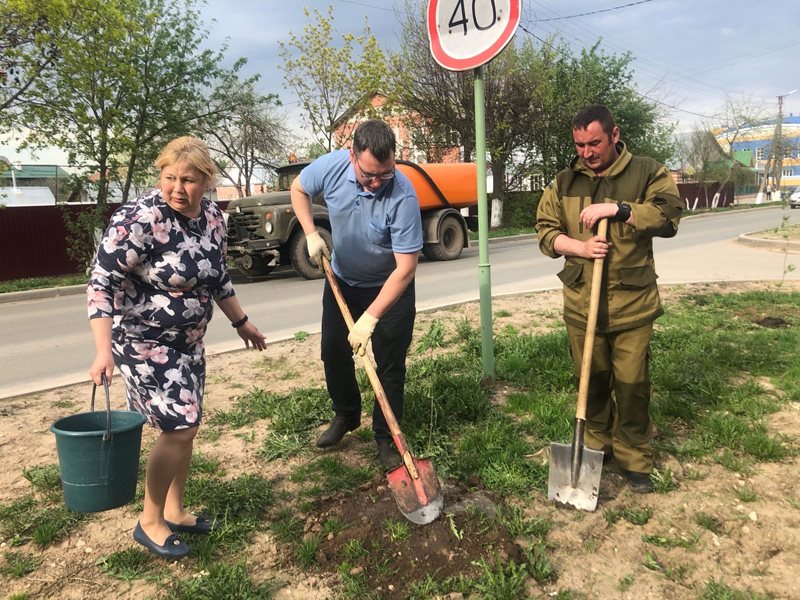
x=760 y=153
x=787 y=172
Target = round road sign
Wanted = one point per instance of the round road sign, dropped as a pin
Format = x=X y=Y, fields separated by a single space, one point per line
x=465 y=34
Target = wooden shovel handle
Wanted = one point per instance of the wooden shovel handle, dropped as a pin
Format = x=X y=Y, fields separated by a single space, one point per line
x=380 y=395
x=591 y=327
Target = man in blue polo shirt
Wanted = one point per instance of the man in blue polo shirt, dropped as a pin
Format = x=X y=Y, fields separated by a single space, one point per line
x=377 y=234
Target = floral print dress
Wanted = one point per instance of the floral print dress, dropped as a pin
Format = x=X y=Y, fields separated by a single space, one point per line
x=158 y=273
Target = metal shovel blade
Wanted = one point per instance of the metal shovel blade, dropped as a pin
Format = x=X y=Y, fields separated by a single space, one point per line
x=559 y=486
x=416 y=489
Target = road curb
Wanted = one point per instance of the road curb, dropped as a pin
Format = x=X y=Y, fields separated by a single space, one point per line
x=42 y=293
x=751 y=239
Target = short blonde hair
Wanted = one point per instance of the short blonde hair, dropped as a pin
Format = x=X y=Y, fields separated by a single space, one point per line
x=188 y=149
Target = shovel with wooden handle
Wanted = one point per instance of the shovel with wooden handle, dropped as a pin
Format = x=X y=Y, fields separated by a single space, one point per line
x=414 y=483
x=574 y=469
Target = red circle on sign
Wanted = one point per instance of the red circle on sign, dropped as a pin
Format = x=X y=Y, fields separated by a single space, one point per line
x=462 y=64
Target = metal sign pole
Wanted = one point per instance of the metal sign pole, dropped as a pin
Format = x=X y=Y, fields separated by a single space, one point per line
x=484 y=268
x=462 y=39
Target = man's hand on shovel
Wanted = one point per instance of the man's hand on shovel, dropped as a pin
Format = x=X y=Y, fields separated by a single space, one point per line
x=361 y=333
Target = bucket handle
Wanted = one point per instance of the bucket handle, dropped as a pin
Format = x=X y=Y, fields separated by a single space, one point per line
x=107 y=434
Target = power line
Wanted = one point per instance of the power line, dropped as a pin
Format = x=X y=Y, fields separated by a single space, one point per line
x=367 y=5
x=596 y=12
x=560 y=51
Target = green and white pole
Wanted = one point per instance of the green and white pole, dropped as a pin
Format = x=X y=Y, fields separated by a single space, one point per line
x=484 y=268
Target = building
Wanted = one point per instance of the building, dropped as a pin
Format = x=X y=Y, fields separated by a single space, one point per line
x=757 y=141
x=32 y=185
x=398 y=121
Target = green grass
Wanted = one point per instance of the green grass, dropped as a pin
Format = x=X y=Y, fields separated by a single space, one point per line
x=19 y=564
x=45 y=479
x=716 y=590
x=433 y=338
x=231 y=582
x=128 y=564
x=396 y=530
x=329 y=475
x=495 y=451
x=35 y=283
x=287 y=527
x=717 y=377
x=710 y=522
x=26 y=519
x=664 y=541
x=745 y=493
x=307 y=552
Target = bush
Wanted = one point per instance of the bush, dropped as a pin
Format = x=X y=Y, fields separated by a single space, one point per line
x=519 y=208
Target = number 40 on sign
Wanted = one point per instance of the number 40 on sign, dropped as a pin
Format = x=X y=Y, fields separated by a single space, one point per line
x=465 y=34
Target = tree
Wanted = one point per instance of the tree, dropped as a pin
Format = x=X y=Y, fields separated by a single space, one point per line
x=712 y=146
x=131 y=76
x=563 y=83
x=330 y=81
x=252 y=138
x=31 y=35
x=438 y=105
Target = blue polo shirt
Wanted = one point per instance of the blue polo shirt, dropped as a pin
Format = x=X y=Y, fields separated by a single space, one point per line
x=367 y=228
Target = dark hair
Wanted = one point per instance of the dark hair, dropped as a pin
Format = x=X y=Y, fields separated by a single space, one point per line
x=592 y=113
x=377 y=137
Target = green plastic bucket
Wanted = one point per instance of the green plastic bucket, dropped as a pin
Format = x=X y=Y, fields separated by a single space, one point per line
x=98 y=453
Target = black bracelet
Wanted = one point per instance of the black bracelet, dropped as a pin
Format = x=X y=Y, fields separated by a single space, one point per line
x=623 y=212
x=239 y=323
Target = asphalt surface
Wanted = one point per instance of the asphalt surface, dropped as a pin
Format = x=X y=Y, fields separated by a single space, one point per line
x=702 y=253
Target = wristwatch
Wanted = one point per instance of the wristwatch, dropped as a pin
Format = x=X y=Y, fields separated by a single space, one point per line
x=623 y=212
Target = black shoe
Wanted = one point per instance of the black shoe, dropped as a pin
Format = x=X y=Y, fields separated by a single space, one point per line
x=387 y=455
x=335 y=432
x=173 y=548
x=640 y=482
x=607 y=457
x=201 y=525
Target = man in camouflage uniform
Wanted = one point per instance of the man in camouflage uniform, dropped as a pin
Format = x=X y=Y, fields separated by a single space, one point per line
x=640 y=200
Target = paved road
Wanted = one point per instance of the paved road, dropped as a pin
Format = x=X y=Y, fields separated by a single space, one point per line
x=46 y=343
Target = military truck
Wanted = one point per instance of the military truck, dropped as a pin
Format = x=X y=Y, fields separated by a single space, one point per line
x=264 y=233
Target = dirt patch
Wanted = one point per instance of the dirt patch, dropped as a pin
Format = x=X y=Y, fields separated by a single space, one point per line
x=386 y=553
x=595 y=555
x=771 y=322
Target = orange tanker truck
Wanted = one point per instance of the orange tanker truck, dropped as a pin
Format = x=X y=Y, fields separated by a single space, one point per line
x=264 y=233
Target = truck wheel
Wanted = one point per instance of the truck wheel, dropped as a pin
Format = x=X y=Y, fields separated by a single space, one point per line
x=450 y=244
x=299 y=254
x=253 y=266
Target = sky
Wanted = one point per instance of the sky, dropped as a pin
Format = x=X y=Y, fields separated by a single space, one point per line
x=690 y=56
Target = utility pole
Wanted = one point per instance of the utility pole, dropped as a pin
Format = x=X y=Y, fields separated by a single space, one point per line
x=776 y=152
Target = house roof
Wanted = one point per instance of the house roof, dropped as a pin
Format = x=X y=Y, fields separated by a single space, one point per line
x=744 y=157
x=37 y=172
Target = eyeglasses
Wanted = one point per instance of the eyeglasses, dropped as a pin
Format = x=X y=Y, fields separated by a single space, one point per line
x=371 y=177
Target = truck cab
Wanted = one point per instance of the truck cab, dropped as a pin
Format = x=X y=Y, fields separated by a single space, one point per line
x=264 y=233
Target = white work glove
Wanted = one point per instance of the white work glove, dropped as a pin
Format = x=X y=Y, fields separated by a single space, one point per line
x=317 y=248
x=361 y=332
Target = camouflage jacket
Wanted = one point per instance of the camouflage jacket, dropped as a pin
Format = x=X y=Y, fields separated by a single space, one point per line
x=629 y=296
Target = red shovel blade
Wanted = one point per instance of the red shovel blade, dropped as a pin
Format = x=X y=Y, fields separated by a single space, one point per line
x=416 y=489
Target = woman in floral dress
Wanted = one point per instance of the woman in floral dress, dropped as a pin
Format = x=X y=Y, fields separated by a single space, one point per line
x=159 y=269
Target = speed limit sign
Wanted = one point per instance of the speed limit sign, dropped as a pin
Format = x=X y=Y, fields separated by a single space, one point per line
x=465 y=34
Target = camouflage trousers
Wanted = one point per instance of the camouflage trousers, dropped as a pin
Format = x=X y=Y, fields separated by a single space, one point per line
x=617 y=412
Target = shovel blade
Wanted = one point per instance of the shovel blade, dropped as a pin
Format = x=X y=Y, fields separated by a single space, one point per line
x=418 y=498
x=583 y=495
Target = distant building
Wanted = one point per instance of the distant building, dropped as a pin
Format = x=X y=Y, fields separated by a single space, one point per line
x=753 y=146
x=33 y=185
x=227 y=190
x=398 y=121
